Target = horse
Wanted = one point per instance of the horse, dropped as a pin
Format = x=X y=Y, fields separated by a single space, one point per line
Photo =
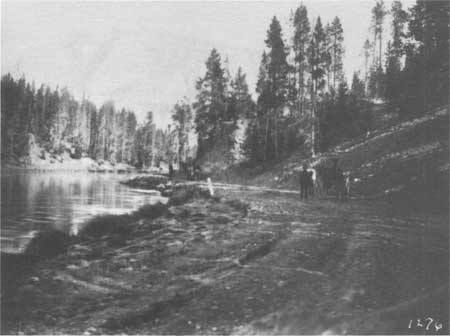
x=329 y=177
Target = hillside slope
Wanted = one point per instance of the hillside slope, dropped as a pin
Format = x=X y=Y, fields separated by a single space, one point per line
x=408 y=158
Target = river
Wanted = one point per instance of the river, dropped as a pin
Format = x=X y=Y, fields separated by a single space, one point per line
x=36 y=201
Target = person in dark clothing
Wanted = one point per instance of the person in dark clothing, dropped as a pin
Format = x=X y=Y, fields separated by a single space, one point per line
x=335 y=168
x=170 y=171
x=310 y=184
x=304 y=182
x=340 y=184
x=338 y=180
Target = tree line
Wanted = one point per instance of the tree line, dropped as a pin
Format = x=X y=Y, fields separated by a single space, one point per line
x=293 y=80
x=60 y=123
x=412 y=73
x=303 y=101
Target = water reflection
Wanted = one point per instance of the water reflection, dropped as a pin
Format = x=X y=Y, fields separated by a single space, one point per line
x=31 y=202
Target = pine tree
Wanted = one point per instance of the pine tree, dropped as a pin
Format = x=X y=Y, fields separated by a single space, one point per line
x=145 y=142
x=317 y=61
x=262 y=84
x=277 y=70
x=255 y=138
x=300 y=42
x=337 y=52
x=277 y=66
x=93 y=132
x=394 y=54
x=182 y=118
x=120 y=135
x=275 y=89
x=392 y=89
x=210 y=105
x=240 y=103
x=40 y=112
x=131 y=124
x=376 y=77
x=358 y=87
x=399 y=19
x=378 y=15
x=328 y=60
x=8 y=115
x=366 y=50
x=425 y=78
x=51 y=111
x=264 y=136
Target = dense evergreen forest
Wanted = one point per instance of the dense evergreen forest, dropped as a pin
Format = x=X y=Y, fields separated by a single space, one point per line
x=303 y=101
x=61 y=124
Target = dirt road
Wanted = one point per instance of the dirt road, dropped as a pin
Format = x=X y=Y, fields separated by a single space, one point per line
x=280 y=266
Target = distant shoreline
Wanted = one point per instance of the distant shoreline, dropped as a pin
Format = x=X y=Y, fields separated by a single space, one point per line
x=84 y=165
x=49 y=169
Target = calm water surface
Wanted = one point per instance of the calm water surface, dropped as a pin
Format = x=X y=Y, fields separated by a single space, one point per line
x=31 y=202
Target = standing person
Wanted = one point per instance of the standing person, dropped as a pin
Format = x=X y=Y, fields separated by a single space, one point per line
x=304 y=182
x=340 y=184
x=310 y=189
x=335 y=168
x=348 y=180
x=170 y=171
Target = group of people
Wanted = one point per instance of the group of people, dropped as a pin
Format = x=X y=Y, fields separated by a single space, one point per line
x=322 y=180
x=191 y=171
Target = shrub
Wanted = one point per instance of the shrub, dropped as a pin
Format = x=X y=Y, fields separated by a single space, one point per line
x=48 y=244
x=151 y=210
x=107 y=225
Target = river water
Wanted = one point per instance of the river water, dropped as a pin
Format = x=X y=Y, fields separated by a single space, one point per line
x=35 y=201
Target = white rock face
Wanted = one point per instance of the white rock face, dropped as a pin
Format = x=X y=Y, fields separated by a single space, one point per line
x=38 y=158
x=239 y=136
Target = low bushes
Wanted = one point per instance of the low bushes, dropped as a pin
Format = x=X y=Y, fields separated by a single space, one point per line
x=106 y=225
x=151 y=211
x=117 y=229
x=48 y=244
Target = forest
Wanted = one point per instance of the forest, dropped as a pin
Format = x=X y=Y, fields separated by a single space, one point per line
x=61 y=123
x=303 y=101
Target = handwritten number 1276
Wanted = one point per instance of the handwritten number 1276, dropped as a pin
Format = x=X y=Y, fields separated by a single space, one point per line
x=426 y=323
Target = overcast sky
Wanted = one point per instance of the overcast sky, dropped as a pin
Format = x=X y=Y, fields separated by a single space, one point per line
x=147 y=55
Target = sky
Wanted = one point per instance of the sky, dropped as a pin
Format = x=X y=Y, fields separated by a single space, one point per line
x=147 y=55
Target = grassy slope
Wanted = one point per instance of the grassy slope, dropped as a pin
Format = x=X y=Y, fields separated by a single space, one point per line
x=397 y=158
